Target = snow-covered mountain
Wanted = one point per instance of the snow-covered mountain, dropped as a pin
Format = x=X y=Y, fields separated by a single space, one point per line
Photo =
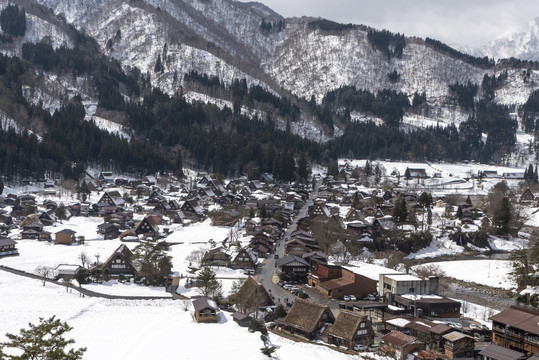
x=520 y=45
x=304 y=56
x=227 y=39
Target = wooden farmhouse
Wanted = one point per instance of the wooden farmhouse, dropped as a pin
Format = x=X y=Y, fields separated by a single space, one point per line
x=458 y=345
x=113 y=198
x=398 y=345
x=206 y=310
x=350 y=329
x=305 y=318
x=65 y=237
x=251 y=296
x=8 y=248
x=120 y=262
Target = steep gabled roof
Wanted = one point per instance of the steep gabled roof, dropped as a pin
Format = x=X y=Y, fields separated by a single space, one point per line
x=204 y=303
x=252 y=294
x=346 y=325
x=305 y=315
x=123 y=252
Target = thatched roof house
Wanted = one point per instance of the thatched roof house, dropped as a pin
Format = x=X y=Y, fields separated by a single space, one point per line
x=206 y=310
x=306 y=318
x=350 y=329
x=252 y=296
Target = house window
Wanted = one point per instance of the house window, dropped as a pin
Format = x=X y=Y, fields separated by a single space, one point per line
x=362 y=325
x=362 y=332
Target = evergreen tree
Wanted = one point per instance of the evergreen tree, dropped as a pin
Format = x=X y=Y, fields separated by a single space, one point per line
x=13 y=20
x=425 y=199
x=407 y=175
x=178 y=165
x=60 y=212
x=207 y=283
x=355 y=201
x=43 y=341
x=502 y=217
x=400 y=211
x=159 y=68
x=1 y=186
x=262 y=214
x=429 y=217
x=155 y=264
x=302 y=168
x=368 y=168
x=468 y=200
x=459 y=212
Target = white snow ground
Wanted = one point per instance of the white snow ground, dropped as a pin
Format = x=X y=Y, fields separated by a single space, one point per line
x=148 y=329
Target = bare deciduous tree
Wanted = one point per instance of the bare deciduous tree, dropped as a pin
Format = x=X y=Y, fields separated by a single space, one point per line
x=84 y=259
x=45 y=272
x=195 y=257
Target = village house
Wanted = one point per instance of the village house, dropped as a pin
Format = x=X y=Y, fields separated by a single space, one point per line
x=120 y=262
x=206 y=310
x=113 y=198
x=350 y=329
x=251 y=297
x=458 y=345
x=432 y=305
x=8 y=247
x=108 y=231
x=305 y=318
x=495 y=352
x=516 y=328
x=148 y=227
x=216 y=257
x=245 y=258
x=65 y=237
x=398 y=345
x=527 y=197
x=295 y=267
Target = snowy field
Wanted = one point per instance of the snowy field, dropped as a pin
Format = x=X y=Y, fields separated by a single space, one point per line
x=493 y=273
x=445 y=178
x=149 y=329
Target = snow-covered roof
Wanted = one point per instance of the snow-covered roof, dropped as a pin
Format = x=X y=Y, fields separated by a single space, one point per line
x=399 y=322
x=370 y=271
x=402 y=277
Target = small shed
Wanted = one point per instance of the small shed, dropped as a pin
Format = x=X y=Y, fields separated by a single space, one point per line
x=241 y=319
x=205 y=310
x=66 y=271
x=65 y=237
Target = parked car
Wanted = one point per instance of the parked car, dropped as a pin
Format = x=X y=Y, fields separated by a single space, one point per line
x=353 y=298
x=359 y=347
x=474 y=327
x=276 y=256
x=346 y=298
x=370 y=297
x=373 y=347
x=342 y=306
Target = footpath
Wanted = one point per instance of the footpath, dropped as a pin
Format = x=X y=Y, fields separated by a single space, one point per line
x=83 y=291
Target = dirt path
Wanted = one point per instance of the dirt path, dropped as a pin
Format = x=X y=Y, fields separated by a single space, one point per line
x=83 y=291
